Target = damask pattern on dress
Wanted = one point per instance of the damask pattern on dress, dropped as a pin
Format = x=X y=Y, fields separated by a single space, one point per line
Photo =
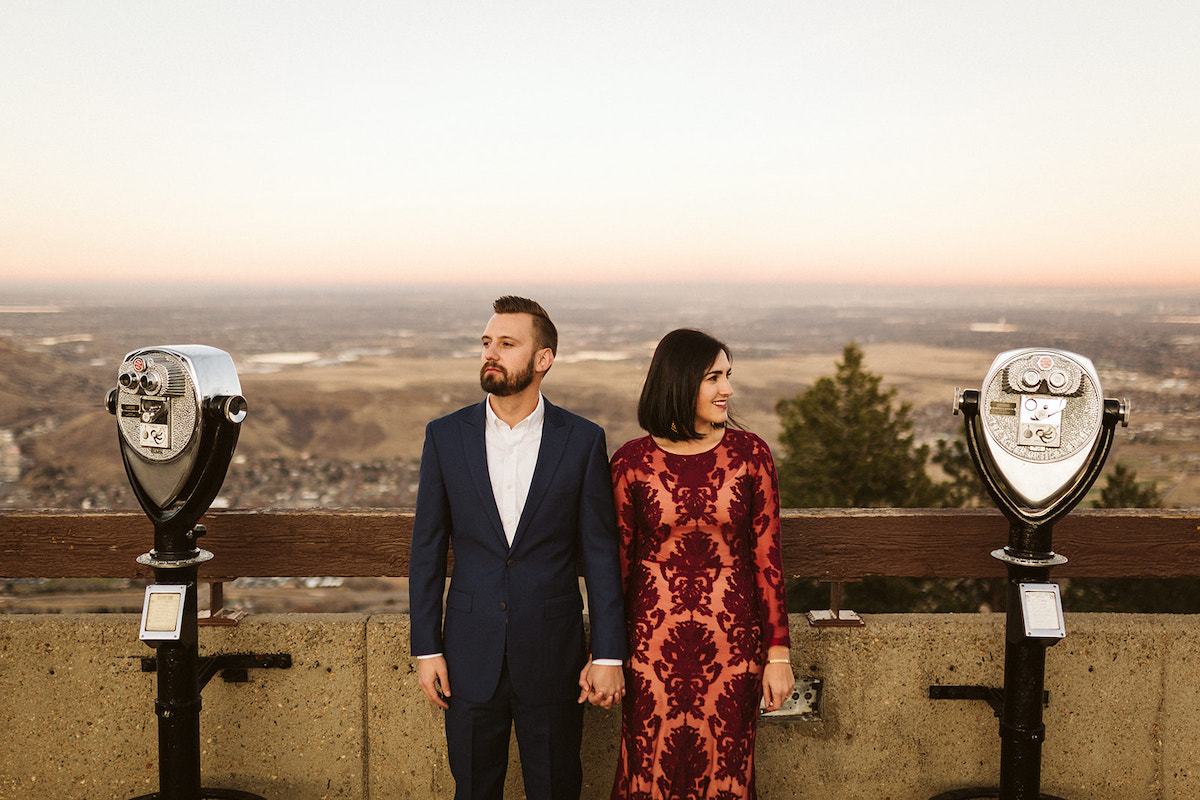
x=704 y=594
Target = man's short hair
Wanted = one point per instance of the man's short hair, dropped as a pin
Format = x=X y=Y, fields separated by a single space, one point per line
x=544 y=332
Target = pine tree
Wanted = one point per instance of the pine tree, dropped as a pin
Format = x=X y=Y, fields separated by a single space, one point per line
x=1131 y=595
x=1122 y=490
x=844 y=445
x=963 y=487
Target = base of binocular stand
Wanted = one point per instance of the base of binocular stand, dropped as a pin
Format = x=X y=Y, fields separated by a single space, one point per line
x=978 y=794
x=213 y=794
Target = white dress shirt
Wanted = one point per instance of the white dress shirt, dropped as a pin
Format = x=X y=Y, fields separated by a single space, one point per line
x=511 y=455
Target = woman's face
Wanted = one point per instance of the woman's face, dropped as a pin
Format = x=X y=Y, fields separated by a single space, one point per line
x=712 y=400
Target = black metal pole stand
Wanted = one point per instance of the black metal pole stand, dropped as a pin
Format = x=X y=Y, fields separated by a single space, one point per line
x=176 y=560
x=1028 y=559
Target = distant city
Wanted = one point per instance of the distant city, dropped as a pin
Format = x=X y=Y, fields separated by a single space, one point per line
x=1129 y=327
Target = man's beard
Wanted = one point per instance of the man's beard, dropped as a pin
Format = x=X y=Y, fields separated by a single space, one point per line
x=504 y=385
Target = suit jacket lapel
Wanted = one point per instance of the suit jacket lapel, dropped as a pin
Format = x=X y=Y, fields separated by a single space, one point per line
x=474 y=432
x=554 y=440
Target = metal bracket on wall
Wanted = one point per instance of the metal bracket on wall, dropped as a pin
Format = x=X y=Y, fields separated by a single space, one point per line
x=994 y=697
x=233 y=667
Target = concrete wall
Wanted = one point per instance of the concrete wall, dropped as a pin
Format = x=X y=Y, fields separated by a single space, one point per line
x=348 y=720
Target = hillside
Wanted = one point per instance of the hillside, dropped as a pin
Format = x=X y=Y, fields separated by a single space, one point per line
x=350 y=434
x=326 y=420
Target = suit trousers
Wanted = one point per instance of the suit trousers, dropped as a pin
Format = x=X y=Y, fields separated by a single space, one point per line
x=548 y=740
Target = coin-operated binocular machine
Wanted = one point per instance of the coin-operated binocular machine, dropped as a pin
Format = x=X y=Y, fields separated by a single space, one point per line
x=178 y=410
x=1038 y=434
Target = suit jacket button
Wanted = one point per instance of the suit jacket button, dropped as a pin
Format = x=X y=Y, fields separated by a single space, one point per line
x=503 y=606
x=512 y=562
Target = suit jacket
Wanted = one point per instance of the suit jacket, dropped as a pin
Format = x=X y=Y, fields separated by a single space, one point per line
x=523 y=599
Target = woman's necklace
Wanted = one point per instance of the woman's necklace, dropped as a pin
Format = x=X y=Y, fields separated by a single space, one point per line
x=691 y=447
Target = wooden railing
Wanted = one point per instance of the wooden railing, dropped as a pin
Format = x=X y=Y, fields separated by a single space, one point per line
x=832 y=545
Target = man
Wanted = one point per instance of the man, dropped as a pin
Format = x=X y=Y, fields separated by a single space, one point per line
x=522 y=490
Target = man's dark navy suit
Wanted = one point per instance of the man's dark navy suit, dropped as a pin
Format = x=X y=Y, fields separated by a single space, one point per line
x=516 y=610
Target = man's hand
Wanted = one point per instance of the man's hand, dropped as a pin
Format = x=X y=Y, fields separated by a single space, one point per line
x=602 y=685
x=434 y=679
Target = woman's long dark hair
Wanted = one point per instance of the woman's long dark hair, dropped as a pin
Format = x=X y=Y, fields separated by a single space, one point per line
x=667 y=407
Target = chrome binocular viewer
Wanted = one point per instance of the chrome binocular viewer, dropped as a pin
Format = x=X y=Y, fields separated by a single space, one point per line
x=178 y=410
x=1039 y=431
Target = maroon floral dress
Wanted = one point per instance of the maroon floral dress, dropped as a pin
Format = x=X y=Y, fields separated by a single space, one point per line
x=704 y=599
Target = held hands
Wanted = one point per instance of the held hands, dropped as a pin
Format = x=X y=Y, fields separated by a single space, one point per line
x=778 y=680
x=434 y=679
x=601 y=685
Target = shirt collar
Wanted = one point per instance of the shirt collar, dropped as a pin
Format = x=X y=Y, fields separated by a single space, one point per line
x=533 y=420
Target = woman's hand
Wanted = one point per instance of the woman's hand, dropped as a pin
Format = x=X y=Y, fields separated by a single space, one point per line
x=778 y=680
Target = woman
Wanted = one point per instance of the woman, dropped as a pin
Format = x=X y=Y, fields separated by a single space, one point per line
x=698 y=512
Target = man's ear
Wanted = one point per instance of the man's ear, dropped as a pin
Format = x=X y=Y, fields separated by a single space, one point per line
x=544 y=359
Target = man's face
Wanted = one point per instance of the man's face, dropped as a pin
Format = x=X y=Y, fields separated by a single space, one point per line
x=509 y=356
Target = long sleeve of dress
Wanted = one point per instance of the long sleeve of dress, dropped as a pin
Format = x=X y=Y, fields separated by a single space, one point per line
x=624 y=480
x=768 y=552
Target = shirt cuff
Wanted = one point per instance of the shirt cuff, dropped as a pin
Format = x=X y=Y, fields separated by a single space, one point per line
x=606 y=662
x=431 y=655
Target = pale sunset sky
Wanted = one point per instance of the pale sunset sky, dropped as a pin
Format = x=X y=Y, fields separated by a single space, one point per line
x=953 y=142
